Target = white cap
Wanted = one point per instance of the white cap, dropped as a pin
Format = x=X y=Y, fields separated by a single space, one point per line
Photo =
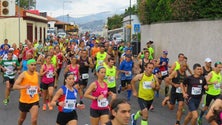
x=11 y=49
x=208 y=60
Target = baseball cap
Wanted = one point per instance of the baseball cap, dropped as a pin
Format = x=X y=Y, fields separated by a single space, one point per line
x=150 y=42
x=165 y=52
x=128 y=55
x=208 y=60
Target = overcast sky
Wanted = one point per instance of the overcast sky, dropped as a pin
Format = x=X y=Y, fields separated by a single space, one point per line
x=79 y=8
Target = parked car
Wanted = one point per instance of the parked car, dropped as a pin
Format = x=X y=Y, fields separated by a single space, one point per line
x=61 y=34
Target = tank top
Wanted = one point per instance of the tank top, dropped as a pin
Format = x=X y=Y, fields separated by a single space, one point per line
x=145 y=90
x=214 y=89
x=100 y=58
x=163 y=68
x=82 y=67
x=49 y=76
x=75 y=71
x=177 y=66
x=110 y=78
x=69 y=97
x=60 y=59
x=29 y=95
x=143 y=65
x=205 y=72
x=54 y=60
x=100 y=104
x=95 y=50
x=179 y=79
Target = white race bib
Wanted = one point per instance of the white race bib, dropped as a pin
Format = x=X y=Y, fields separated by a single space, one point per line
x=70 y=104
x=32 y=91
x=85 y=76
x=49 y=74
x=217 y=86
x=147 y=85
x=128 y=74
x=164 y=73
x=196 y=91
x=100 y=62
x=111 y=79
x=102 y=102
x=178 y=90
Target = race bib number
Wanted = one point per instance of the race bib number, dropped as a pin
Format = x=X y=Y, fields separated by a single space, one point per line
x=70 y=104
x=85 y=76
x=196 y=91
x=217 y=86
x=147 y=85
x=50 y=74
x=100 y=62
x=164 y=73
x=128 y=74
x=102 y=103
x=111 y=79
x=32 y=91
x=178 y=90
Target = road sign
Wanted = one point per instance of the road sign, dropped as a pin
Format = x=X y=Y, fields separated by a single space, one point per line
x=137 y=28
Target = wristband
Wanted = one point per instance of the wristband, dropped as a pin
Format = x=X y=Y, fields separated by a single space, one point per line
x=57 y=103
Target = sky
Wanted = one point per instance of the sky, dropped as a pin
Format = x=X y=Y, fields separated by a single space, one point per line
x=79 y=8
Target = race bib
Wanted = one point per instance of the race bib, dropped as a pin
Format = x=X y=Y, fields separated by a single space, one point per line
x=50 y=74
x=70 y=104
x=111 y=79
x=85 y=76
x=147 y=85
x=164 y=73
x=100 y=62
x=102 y=103
x=128 y=74
x=196 y=91
x=178 y=90
x=32 y=91
x=217 y=86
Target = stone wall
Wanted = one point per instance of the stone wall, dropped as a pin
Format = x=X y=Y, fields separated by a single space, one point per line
x=196 y=39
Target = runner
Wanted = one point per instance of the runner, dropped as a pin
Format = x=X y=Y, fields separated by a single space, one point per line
x=61 y=59
x=176 y=65
x=150 y=49
x=98 y=93
x=47 y=73
x=144 y=60
x=126 y=70
x=9 y=67
x=214 y=79
x=195 y=85
x=148 y=83
x=66 y=100
x=119 y=112
x=175 y=79
x=27 y=83
x=207 y=67
x=100 y=56
x=111 y=76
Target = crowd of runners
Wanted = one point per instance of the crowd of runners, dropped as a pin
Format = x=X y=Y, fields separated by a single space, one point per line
x=109 y=61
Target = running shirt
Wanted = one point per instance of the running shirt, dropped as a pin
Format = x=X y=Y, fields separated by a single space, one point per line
x=195 y=86
x=179 y=79
x=29 y=95
x=145 y=90
x=84 y=70
x=205 y=72
x=70 y=99
x=60 y=59
x=95 y=50
x=126 y=66
x=215 y=89
x=142 y=66
x=24 y=65
x=110 y=78
x=177 y=66
x=49 y=76
x=103 y=103
x=164 y=69
x=75 y=71
x=100 y=57
x=10 y=68
x=54 y=60
x=151 y=51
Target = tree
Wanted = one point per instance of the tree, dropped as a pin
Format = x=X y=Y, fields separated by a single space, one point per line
x=25 y=3
x=115 y=22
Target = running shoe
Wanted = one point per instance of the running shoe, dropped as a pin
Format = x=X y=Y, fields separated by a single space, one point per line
x=50 y=107
x=133 y=121
x=199 y=121
x=119 y=89
x=44 y=107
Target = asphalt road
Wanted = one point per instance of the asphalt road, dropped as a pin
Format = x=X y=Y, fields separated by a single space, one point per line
x=9 y=114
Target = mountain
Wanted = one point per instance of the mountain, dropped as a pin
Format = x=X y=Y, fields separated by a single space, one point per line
x=94 y=26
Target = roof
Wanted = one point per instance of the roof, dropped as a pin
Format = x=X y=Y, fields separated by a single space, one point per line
x=58 y=22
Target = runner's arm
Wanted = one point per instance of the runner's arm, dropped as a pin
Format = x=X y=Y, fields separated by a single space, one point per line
x=91 y=65
x=171 y=76
x=18 y=81
x=56 y=97
x=210 y=113
x=209 y=76
x=157 y=85
x=88 y=92
x=133 y=82
x=172 y=68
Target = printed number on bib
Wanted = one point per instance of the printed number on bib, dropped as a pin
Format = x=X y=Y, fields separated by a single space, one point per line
x=217 y=86
x=70 y=104
x=196 y=91
x=85 y=76
x=111 y=79
x=128 y=74
x=50 y=74
x=32 y=91
x=102 y=102
x=164 y=73
x=100 y=62
x=147 y=85
x=178 y=90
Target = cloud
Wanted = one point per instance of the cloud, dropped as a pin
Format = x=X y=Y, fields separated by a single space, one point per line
x=78 y=8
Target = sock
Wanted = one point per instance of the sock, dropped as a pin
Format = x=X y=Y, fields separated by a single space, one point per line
x=202 y=113
x=143 y=122
x=129 y=93
x=137 y=115
x=166 y=90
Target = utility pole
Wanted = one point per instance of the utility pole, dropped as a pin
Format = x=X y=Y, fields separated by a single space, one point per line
x=19 y=21
x=130 y=21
